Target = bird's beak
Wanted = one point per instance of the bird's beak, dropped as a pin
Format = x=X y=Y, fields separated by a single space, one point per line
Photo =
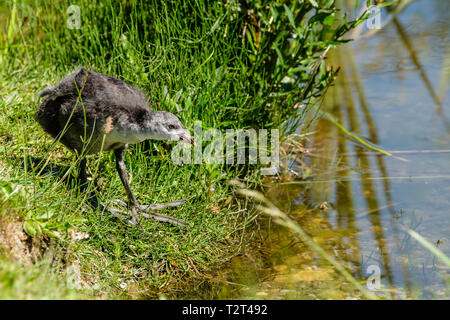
x=187 y=138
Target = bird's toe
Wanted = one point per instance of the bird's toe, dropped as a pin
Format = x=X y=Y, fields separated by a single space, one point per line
x=132 y=216
x=161 y=206
x=119 y=202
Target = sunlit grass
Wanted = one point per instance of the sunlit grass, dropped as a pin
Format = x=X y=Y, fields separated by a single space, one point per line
x=210 y=61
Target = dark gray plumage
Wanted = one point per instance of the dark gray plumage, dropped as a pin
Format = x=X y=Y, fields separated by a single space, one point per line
x=93 y=112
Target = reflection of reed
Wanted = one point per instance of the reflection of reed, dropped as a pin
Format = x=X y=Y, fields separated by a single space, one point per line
x=368 y=187
x=344 y=200
x=370 y=123
x=328 y=168
x=394 y=11
x=322 y=164
x=333 y=162
x=373 y=136
x=415 y=59
x=445 y=75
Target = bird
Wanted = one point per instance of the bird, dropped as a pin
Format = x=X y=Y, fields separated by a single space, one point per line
x=91 y=112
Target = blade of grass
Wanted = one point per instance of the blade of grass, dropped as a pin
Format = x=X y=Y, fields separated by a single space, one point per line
x=354 y=136
x=12 y=25
x=428 y=245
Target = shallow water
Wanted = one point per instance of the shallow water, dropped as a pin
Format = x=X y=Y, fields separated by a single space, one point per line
x=392 y=91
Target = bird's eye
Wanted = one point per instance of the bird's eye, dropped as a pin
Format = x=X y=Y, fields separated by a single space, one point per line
x=171 y=126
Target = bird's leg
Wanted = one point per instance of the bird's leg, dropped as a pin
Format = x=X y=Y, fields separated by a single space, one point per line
x=133 y=206
x=122 y=171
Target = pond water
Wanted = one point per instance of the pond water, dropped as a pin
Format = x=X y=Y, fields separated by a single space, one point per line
x=392 y=90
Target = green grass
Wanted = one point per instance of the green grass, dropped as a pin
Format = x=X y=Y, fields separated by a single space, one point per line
x=224 y=66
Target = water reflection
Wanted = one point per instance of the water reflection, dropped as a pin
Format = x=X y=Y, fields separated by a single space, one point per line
x=391 y=91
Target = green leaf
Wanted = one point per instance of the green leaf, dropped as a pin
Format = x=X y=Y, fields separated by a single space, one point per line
x=297 y=69
x=6 y=188
x=344 y=20
x=54 y=234
x=280 y=56
x=12 y=23
x=290 y=16
x=314 y=3
x=385 y=4
x=215 y=25
x=274 y=13
x=328 y=21
x=320 y=17
x=32 y=228
x=45 y=216
x=328 y=4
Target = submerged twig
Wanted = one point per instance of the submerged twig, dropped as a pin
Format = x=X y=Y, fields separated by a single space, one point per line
x=365 y=213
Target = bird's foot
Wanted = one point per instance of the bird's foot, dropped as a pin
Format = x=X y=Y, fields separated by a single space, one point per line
x=146 y=211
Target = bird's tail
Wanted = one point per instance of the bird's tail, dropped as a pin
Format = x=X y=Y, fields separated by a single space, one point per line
x=47 y=91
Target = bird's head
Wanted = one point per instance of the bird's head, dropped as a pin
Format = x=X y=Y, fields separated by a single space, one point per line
x=167 y=126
